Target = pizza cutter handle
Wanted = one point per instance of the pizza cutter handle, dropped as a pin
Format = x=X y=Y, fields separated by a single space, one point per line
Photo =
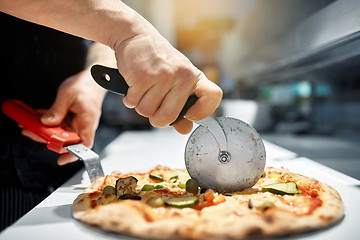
x=113 y=81
x=56 y=137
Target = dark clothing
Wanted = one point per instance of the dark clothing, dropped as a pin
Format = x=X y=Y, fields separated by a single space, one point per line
x=34 y=62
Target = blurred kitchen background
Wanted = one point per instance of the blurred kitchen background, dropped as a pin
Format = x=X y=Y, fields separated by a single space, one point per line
x=290 y=68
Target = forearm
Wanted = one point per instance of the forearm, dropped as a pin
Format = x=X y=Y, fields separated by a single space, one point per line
x=105 y=21
x=100 y=54
x=160 y=78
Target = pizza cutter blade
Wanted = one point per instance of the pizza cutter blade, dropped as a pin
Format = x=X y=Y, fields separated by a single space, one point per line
x=224 y=154
x=228 y=159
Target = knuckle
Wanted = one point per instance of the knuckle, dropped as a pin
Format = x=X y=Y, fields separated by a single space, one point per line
x=148 y=77
x=167 y=73
x=164 y=75
x=157 y=123
x=161 y=120
x=129 y=101
x=218 y=93
x=187 y=76
x=144 y=110
x=168 y=117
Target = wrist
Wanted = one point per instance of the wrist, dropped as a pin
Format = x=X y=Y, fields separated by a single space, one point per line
x=125 y=25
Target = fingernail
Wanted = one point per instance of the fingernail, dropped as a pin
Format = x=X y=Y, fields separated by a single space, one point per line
x=191 y=118
x=48 y=117
x=60 y=163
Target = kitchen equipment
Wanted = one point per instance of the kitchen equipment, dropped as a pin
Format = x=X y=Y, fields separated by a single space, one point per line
x=58 y=139
x=224 y=154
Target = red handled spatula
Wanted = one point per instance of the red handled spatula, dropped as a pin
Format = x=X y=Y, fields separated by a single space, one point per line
x=58 y=139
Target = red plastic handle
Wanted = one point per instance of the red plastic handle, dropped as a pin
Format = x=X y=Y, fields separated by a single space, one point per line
x=56 y=137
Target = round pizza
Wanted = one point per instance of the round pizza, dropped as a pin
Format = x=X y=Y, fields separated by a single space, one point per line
x=165 y=203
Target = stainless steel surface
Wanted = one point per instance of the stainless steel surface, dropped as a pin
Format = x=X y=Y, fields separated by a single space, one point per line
x=244 y=146
x=91 y=160
x=280 y=40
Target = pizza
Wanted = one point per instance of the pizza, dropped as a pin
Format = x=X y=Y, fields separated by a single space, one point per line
x=165 y=203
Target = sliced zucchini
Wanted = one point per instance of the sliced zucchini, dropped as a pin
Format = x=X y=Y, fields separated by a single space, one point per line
x=172 y=176
x=173 y=179
x=182 y=202
x=182 y=185
x=148 y=187
x=156 y=202
x=155 y=177
x=281 y=188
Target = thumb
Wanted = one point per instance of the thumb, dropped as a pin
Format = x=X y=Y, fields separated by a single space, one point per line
x=55 y=114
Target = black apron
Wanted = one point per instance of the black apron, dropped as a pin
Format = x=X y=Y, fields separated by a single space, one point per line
x=34 y=62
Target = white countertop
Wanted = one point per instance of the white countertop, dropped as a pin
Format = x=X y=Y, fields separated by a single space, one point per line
x=135 y=150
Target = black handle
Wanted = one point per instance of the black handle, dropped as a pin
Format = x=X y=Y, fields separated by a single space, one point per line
x=112 y=80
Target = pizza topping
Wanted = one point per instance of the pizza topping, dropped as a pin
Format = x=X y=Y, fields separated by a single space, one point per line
x=182 y=202
x=172 y=176
x=148 y=187
x=156 y=202
x=309 y=186
x=105 y=182
x=274 y=175
x=210 y=198
x=94 y=194
x=173 y=179
x=315 y=203
x=250 y=204
x=129 y=196
x=109 y=190
x=159 y=187
x=182 y=185
x=126 y=186
x=282 y=188
x=266 y=205
x=156 y=178
x=192 y=186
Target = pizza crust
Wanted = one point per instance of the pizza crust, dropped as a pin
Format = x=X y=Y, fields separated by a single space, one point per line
x=231 y=219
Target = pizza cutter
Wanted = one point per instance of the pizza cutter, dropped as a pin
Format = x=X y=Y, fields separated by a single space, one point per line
x=224 y=154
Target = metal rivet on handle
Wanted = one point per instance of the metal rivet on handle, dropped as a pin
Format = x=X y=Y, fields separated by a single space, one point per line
x=107 y=77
